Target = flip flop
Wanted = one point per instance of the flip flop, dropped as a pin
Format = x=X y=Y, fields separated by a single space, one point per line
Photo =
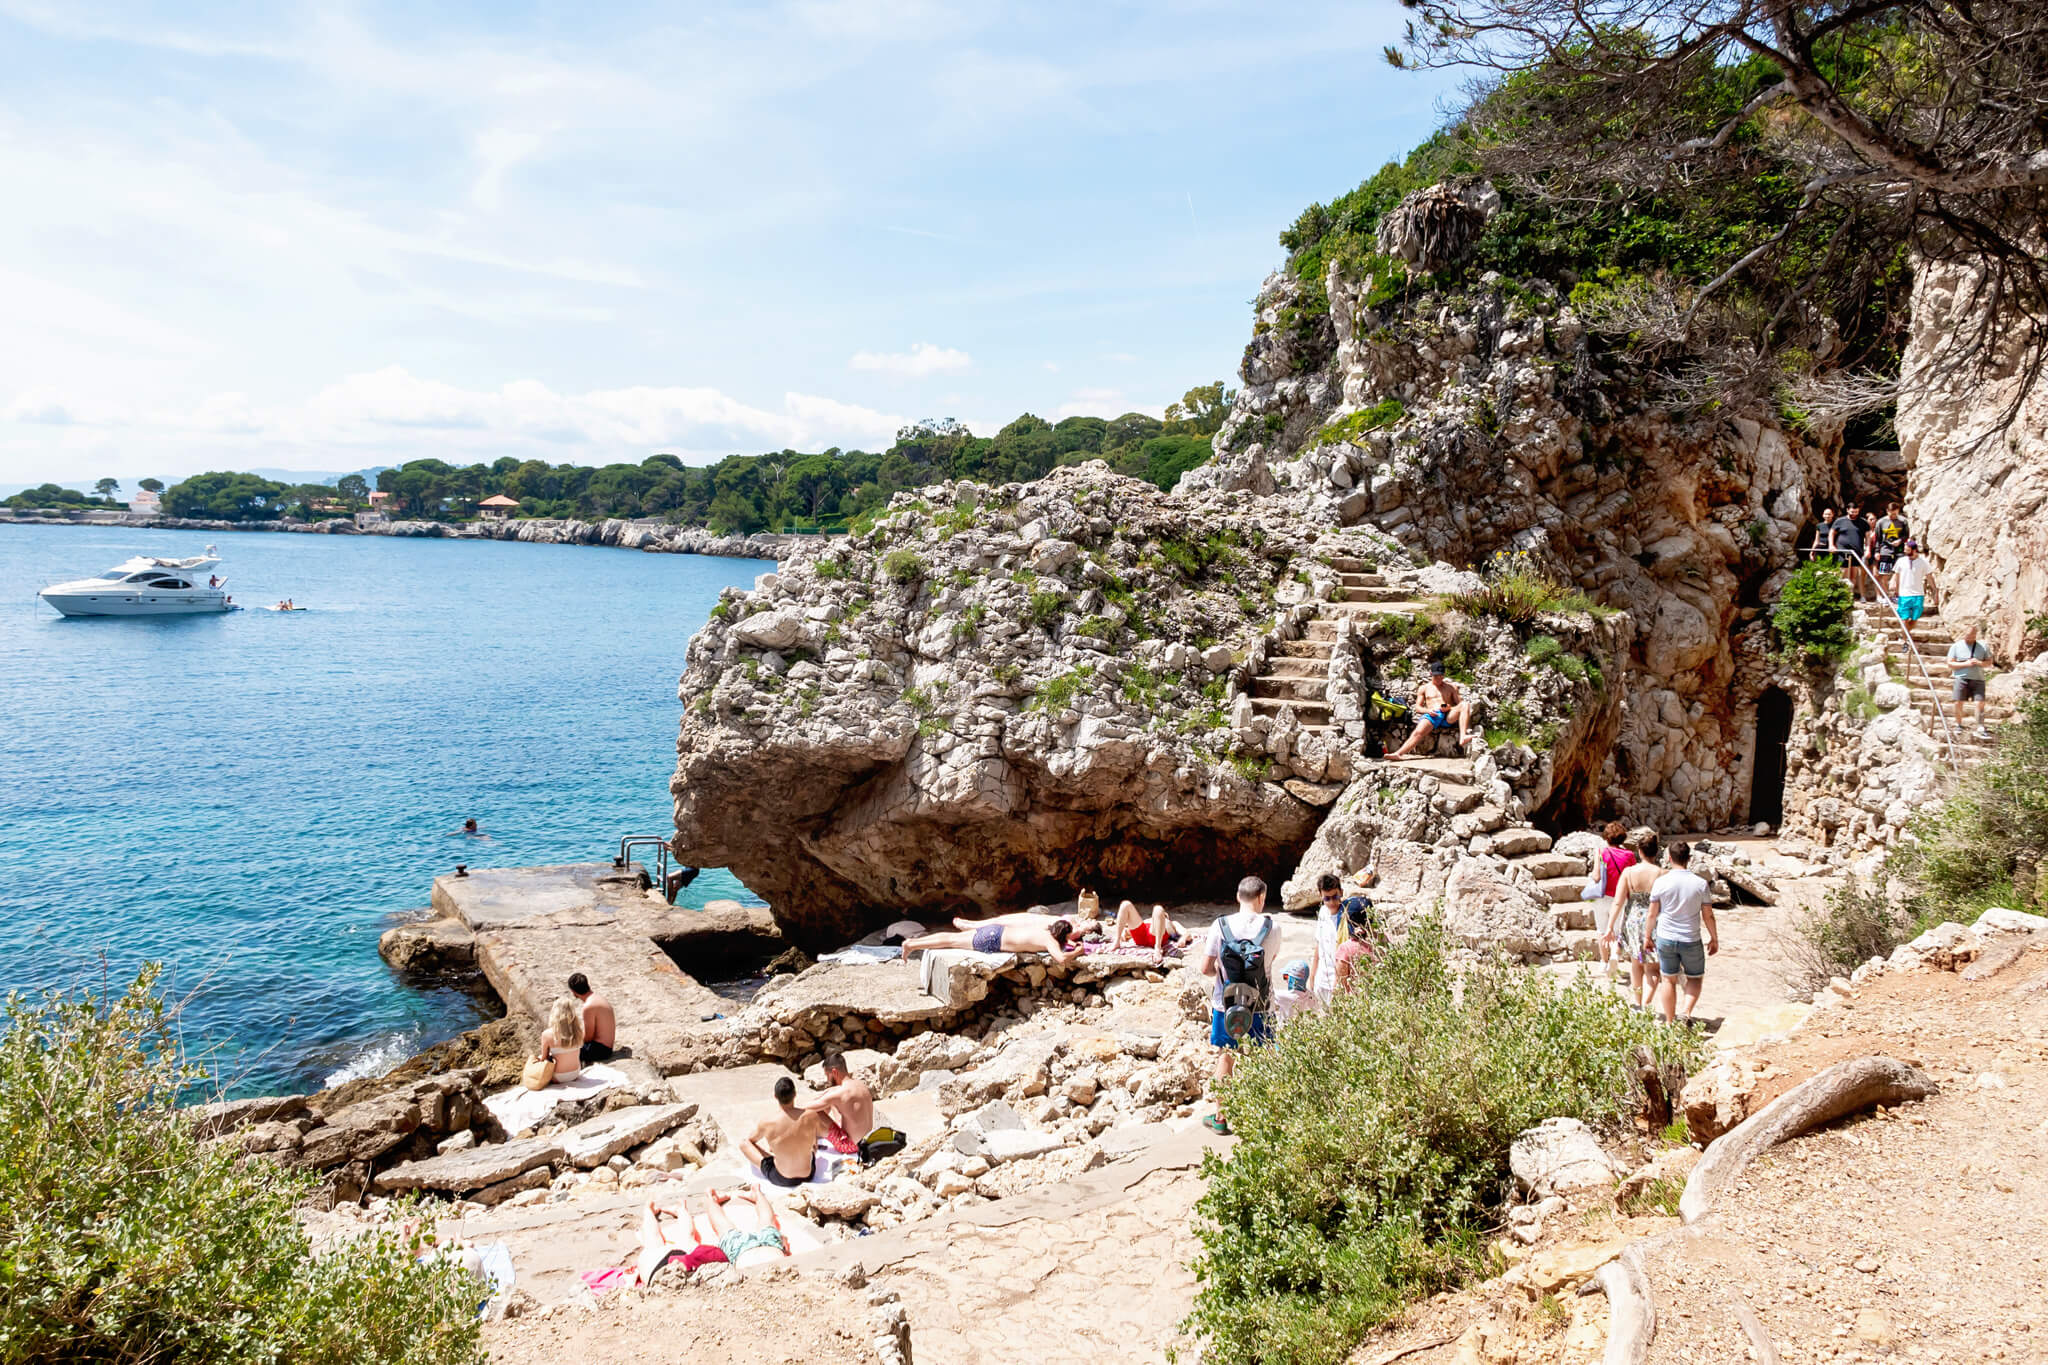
x=1215 y=1124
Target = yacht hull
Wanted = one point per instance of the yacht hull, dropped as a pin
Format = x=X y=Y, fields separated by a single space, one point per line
x=136 y=604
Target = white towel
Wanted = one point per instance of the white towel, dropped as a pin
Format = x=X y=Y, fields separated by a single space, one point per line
x=519 y=1109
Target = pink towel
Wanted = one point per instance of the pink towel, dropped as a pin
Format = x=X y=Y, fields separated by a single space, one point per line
x=612 y=1277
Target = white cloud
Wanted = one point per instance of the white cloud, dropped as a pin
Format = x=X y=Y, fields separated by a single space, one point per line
x=394 y=414
x=920 y=360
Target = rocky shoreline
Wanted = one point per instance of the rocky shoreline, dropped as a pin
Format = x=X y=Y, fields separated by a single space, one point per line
x=613 y=532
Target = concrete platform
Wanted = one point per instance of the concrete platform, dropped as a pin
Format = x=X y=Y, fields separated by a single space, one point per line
x=535 y=926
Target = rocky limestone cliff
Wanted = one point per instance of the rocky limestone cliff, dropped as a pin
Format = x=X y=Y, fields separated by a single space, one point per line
x=998 y=695
x=1978 y=494
x=1466 y=422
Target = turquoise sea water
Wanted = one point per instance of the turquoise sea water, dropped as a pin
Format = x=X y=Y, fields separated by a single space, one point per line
x=247 y=797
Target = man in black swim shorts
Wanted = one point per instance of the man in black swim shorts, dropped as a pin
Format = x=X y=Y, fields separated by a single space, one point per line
x=786 y=1147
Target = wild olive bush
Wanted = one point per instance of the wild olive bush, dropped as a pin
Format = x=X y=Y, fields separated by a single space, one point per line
x=125 y=1238
x=1373 y=1140
x=1813 y=614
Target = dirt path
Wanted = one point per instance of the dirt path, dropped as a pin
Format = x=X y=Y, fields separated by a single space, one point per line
x=1923 y=1232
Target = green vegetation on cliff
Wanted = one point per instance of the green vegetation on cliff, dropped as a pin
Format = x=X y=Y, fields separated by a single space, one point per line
x=1988 y=842
x=1813 y=615
x=128 y=1238
x=1371 y=1155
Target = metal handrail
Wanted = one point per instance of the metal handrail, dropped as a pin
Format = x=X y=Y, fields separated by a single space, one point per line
x=633 y=841
x=1947 y=728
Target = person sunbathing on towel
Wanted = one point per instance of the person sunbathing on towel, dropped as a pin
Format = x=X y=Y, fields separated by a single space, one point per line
x=695 y=1240
x=849 y=1103
x=1160 y=933
x=760 y=1241
x=1004 y=936
x=786 y=1147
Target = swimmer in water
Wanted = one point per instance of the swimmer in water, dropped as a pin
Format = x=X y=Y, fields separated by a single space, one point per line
x=470 y=830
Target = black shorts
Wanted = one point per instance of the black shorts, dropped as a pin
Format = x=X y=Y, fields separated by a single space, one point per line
x=593 y=1051
x=775 y=1177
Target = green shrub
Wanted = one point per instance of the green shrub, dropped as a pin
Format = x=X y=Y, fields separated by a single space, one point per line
x=1380 y=415
x=969 y=624
x=1812 y=617
x=828 y=568
x=1544 y=649
x=129 y=1239
x=1056 y=694
x=1096 y=627
x=903 y=566
x=1045 y=604
x=1372 y=1143
x=1515 y=589
x=1854 y=925
x=1988 y=842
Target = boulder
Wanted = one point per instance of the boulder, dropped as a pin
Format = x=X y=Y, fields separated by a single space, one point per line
x=1012 y=1145
x=225 y=1116
x=840 y=1199
x=359 y=1132
x=598 y=1140
x=1718 y=1098
x=1557 y=1155
x=475 y=1169
x=1021 y=1069
x=1999 y=920
x=537 y=1178
x=1483 y=909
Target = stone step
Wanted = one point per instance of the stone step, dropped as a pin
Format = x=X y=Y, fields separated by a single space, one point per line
x=1305 y=649
x=1400 y=604
x=1291 y=689
x=1362 y=580
x=1371 y=598
x=1347 y=564
x=1543 y=866
x=1565 y=890
x=1577 y=916
x=1289 y=666
x=1580 y=945
x=1309 y=713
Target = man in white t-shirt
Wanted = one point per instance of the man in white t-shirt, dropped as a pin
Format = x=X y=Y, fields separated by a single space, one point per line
x=1329 y=938
x=1910 y=572
x=1250 y=924
x=1681 y=907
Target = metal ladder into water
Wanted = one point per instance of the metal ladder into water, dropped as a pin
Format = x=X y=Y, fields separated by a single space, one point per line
x=666 y=882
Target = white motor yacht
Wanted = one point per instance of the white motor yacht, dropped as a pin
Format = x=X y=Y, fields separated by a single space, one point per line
x=144 y=587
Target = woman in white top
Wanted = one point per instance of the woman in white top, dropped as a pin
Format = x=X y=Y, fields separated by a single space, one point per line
x=563 y=1039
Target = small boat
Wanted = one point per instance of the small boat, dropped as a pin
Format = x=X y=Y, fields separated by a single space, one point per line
x=144 y=587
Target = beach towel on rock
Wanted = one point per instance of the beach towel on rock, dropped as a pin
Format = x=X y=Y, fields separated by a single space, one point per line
x=519 y=1109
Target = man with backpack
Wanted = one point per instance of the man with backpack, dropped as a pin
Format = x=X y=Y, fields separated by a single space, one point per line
x=1237 y=954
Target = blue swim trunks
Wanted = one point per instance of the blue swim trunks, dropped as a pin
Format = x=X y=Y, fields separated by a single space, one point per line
x=1440 y=720
x=1911 y=607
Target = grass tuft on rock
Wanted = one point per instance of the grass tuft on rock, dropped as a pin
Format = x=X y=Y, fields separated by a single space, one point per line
x=1514 y=588
x=1373 y=1138
x=129 y=1239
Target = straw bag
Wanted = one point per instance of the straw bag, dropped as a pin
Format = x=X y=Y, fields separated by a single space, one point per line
x=539 y=1073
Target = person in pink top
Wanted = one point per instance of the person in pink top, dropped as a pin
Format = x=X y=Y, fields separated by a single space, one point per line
x=1612 y=861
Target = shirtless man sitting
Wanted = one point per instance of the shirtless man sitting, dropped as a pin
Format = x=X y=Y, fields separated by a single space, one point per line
x=1436 y=706
x=600 y=1022
x=1004 y=936
x=849 y=1103
x=786 y=1147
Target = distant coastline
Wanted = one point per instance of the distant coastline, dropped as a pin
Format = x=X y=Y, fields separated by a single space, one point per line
x=616 y=533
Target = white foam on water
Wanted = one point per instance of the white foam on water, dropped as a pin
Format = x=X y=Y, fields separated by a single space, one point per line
x=376 y=1058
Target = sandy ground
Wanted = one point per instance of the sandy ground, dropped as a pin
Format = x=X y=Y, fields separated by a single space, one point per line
x=1922 y=1233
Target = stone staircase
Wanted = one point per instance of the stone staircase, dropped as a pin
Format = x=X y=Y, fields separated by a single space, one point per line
x=1932 y=638
x=1297 y=679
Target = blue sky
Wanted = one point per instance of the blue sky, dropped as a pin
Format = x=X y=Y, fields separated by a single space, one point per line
x=326 y=236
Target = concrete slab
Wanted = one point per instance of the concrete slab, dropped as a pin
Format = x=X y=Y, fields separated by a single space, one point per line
x=489 y=897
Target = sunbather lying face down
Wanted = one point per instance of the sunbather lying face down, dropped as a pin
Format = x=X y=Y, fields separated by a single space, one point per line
x=1001 y=936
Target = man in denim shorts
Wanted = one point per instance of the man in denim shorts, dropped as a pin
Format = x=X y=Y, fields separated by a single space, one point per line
x=1681 y=905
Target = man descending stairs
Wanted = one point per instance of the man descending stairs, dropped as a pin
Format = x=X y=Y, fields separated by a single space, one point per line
x=1932 y=694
